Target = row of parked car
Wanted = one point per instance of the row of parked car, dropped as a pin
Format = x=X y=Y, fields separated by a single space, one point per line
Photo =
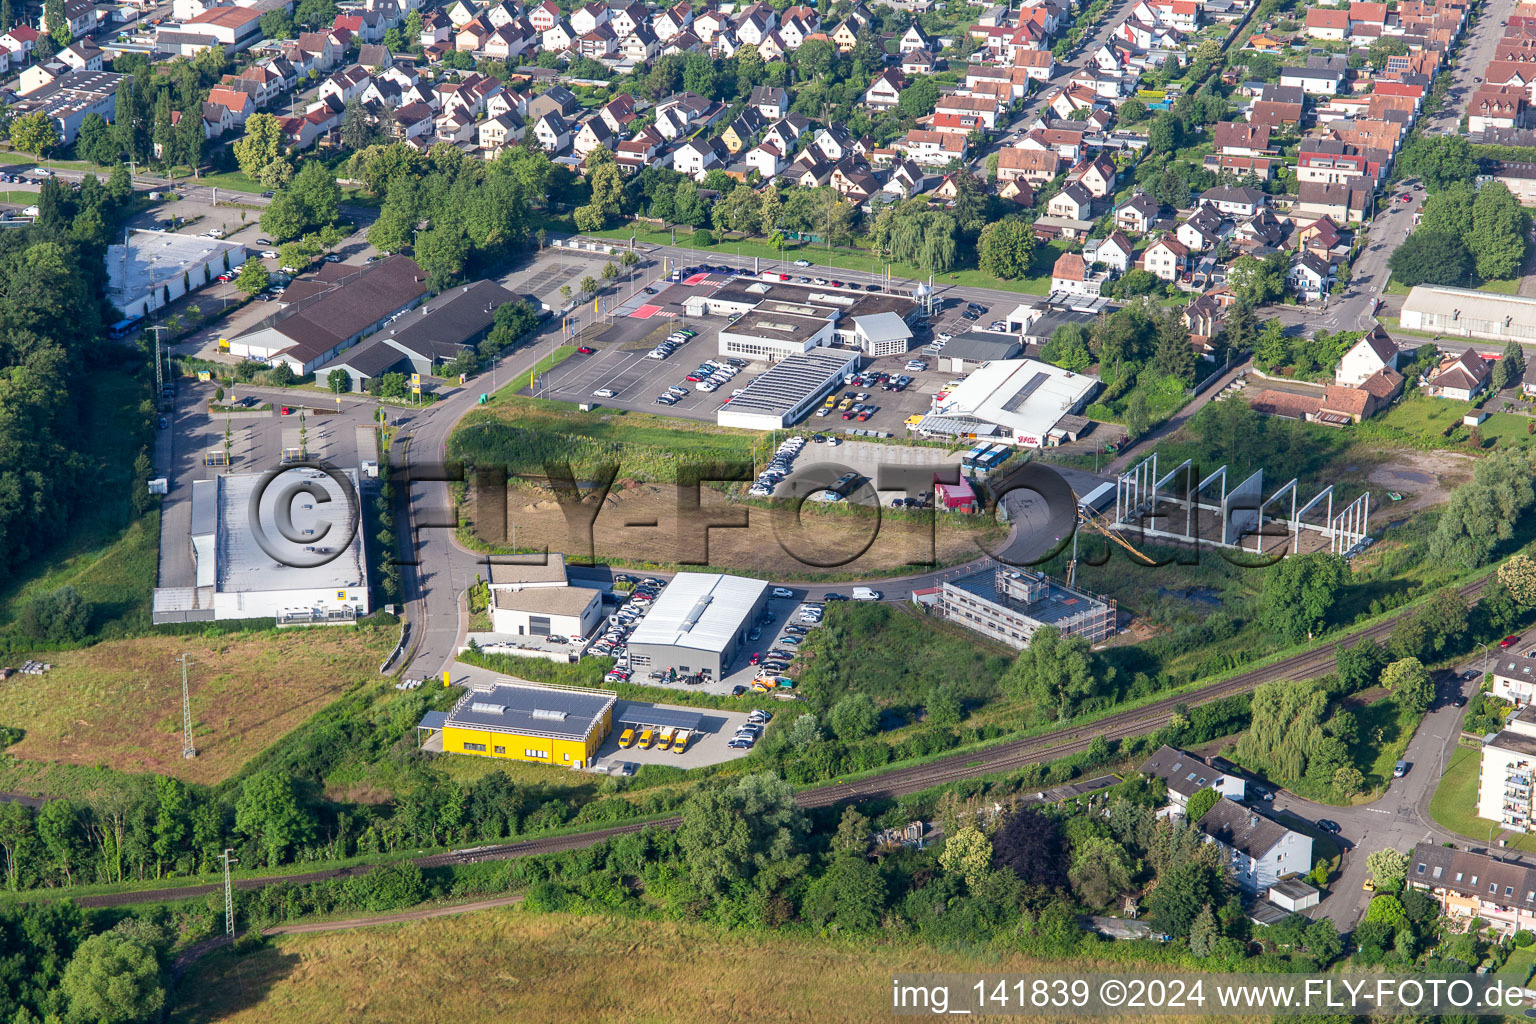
x=672 y=342
x=614 y=643
x=778 y=467
x=747 y=735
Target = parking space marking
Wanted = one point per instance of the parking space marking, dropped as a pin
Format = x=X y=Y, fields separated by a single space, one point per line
x=646 y=311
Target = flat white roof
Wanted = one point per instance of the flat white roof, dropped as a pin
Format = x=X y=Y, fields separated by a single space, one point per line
x=1025 y=396
x=699 y=611
x=243 y=565
x=154 y=258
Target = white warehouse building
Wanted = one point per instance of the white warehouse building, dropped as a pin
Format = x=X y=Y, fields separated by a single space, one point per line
x=697 y=623
x=237 y=578
x=1016 y=401
x=155 y=268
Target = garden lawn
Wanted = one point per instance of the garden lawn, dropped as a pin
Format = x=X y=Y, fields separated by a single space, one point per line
x=1454 y=805
x=1431 y=418
x=1517 y=969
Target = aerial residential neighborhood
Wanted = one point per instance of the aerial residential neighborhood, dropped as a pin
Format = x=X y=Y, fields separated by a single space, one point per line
x=510 y=502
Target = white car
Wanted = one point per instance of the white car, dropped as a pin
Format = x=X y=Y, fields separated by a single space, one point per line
x=802 y=263
x=603 y=393
x=705 y=386
x=270 y=254
x=783 y=592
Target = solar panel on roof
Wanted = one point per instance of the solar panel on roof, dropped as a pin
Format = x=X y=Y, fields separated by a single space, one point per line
x=1017 y=401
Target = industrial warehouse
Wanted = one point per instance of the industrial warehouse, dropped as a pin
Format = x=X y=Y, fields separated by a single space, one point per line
x=152 y=269
x=246 y=569
x=1466 y=313
x=1017 y=401
x=777 y=320
x=560 y=725
x=436 y=333
x=331 y=312
x=697 y=624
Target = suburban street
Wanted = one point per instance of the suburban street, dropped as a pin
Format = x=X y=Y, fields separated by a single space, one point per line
x=1355 y=309
x=1400 y=818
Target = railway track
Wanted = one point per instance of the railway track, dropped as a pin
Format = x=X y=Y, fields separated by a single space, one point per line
x=898 y=782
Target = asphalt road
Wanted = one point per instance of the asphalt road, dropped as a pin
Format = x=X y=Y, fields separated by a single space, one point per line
x=1355 y=309
x=1400 y=817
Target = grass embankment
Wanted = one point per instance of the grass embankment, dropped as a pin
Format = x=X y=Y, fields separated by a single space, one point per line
x=525 y=433
x=110 y=555
x=118 y=704
x=508 y=964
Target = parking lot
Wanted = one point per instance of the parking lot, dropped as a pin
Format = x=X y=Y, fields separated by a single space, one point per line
x=637 y=380
x=709 y=745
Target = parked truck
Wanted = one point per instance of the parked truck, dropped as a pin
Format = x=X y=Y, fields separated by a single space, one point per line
x=666 y=738
x=680 y=740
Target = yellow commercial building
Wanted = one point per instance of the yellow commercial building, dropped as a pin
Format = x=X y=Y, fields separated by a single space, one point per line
x=561 y=725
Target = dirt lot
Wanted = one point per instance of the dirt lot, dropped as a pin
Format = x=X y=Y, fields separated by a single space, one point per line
x=846 y=539
x=1422 y=478
x=118 y=704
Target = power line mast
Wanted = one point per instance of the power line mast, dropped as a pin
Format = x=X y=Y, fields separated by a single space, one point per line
x=188 y=751
x=229 y=895
x=159 y=369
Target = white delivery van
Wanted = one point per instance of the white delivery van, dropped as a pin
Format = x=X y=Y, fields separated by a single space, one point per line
x=865 y=594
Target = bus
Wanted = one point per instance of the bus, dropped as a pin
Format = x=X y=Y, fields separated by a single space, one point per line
x=124 y=327
x=994 y=458
x=978 y=452
x=1096 y=500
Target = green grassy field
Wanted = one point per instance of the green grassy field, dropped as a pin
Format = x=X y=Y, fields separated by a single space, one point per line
x=525 y=432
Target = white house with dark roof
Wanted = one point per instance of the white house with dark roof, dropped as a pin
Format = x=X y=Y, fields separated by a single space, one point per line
x=1187 y=774
x=1259 y=850
x=1366 y=357
x=1461 y=378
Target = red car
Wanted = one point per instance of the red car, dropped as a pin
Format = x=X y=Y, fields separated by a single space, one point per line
x=1406 y=197
x=285 y=411
x=837 y=284
x=1508 y=642
x=783 y=277
x=584 y=350
x=225 y=278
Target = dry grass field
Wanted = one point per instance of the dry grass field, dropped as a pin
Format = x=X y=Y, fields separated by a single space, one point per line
x=118 y=703
x=509 y=965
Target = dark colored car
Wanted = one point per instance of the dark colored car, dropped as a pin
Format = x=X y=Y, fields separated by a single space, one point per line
x=1329 y=825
